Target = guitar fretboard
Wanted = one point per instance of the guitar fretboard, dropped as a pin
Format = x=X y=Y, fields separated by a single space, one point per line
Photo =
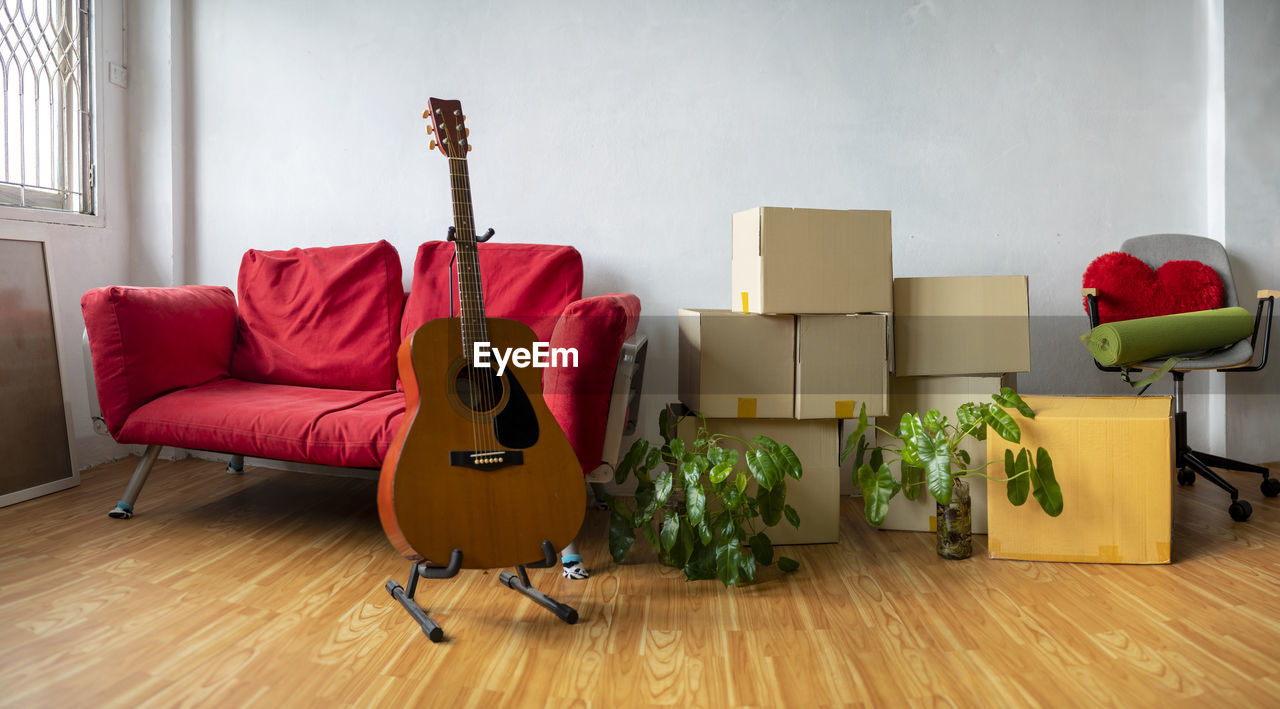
x=470 y=292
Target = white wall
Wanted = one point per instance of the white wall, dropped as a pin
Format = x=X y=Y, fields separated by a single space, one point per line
x=83 y=257
x=1253 y=208
x=1007 y=137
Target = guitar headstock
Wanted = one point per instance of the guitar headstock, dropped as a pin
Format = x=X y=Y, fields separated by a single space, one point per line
x=449 y=125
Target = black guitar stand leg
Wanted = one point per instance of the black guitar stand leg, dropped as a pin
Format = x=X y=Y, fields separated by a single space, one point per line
x=519 y=581
x=420 y=570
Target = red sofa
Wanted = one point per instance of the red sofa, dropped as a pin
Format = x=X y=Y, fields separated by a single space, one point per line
x=303 y=368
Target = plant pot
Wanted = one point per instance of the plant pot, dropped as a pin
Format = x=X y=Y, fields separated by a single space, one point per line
x=955 y=523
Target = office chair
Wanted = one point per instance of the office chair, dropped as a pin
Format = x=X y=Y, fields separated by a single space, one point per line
x=1155 y=250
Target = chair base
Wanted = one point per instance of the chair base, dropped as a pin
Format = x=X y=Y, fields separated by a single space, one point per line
x=1199 y=463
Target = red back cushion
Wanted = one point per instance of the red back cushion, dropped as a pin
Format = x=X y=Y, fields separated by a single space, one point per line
x=1128 y=288
x=531 y=283
x=323 y=317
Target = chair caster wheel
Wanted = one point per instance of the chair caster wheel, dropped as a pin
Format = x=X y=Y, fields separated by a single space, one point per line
x=1186 y=476
x=1240 y=510
x=1271 y=487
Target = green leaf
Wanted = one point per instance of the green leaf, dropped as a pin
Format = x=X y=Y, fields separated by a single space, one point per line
x=721 y=471
x=761 y=465
x=620 y=537
x=1009 y=399
x=970 y=416
x=741 y=482
x=912 y=479
x=761 y=549
x=771 y=504
x=746 y=569
x=677 y=448
x=790 y=462
x=935 y=453
x=1019 y=483
x=764 y=442
x=695 y=501
x=933 y=420
x=689 y=473
x=702 y=563
x=670 y=531
x=855 y=438
x=650 y=535
x=907 y=430
x=876 y=459
x=1002 y=423
x=788 y=564
x=646 y=504
x=860 y=452
x=1045 y=486
x=662 y=488
x=792 y=516
x=634 y=455
x=684 y=545
x=704 y=532
x=879 y=488
x=728 y=555
x=963 y=455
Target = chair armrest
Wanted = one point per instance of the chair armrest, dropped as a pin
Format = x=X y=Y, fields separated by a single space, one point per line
x=1267 y=299
x=147 y=341
x=1264 y=294
x=1086 y=292
x=579 y=397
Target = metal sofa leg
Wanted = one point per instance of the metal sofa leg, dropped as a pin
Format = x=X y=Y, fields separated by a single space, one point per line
x=236 y=465
x=124 y=508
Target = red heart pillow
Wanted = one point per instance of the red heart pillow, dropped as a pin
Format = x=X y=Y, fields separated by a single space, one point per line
x=1129 y=288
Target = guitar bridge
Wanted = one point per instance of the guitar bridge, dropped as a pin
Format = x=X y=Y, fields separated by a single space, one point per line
x=486 y=460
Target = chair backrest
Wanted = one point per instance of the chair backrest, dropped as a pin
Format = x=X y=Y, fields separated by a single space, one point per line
x=1157 y=249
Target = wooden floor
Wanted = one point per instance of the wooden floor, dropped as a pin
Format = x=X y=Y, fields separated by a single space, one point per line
x=267 y=590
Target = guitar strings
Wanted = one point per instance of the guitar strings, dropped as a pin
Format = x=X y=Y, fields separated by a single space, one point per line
x=464 y=280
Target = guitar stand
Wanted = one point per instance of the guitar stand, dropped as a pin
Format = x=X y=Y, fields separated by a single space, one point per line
x=518 y=581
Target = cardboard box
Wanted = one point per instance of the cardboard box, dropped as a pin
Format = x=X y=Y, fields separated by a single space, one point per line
x=918 y=395
x=961 y=326
x=733 y=365
x=1113 y=458
x=812 y=261
x=842 y=362
x=816 y=495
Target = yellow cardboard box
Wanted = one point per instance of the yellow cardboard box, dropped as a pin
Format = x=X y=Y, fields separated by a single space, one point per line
x=816 y=495
x=842 y=362
x=961 y=325
x=1113 y=458
x=812 y=261
x=733 y=365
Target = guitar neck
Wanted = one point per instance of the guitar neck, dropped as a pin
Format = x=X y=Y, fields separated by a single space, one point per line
x=470 y=291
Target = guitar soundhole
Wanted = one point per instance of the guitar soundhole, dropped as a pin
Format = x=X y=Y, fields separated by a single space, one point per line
x=479 y=389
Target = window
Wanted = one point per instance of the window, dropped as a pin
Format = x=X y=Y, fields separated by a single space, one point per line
x=47 y=161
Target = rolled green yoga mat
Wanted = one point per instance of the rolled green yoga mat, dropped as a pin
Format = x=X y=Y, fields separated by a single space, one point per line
x=1128 y=341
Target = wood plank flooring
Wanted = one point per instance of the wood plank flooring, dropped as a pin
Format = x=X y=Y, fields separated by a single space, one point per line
x=267 y=590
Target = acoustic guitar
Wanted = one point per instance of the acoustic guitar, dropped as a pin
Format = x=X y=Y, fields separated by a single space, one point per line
x=479 y=463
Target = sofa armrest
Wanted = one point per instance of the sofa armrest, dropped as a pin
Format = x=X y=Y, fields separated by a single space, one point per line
x=579 y=397
x=148 y=341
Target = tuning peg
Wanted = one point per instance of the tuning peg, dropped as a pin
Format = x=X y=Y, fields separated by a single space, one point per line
x=431 y=145
x=468 y=147
x=426 y=112
x=466 y=132
x=430 y=129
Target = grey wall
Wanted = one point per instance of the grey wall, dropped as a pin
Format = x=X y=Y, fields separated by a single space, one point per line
x=1253 y=207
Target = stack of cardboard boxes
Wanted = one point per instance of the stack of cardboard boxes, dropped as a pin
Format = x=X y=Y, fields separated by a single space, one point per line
x=806 y=342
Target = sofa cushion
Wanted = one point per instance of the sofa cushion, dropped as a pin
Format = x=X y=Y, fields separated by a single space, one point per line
x=579 y=396
x=148 y=341
x=309 y=424
x=323 y=317
x=531 y=283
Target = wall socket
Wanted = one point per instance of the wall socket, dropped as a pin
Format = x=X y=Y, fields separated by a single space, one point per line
x=119 y=75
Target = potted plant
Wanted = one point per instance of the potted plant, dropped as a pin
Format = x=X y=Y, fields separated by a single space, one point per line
x=927 y=452
x=699 y=510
